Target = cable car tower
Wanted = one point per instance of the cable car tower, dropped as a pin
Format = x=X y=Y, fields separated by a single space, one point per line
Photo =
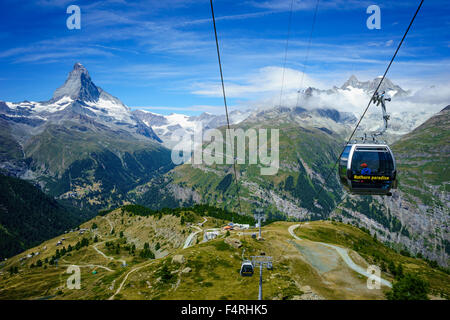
x=259 y=215
x=262 y=261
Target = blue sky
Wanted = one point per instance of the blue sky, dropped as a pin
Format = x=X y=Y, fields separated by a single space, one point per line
x=160 y=55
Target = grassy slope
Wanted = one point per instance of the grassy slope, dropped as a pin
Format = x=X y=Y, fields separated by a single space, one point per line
x=373 y=251
x=214 y=265
x=49 y=279
x=215 y=273
x=423 y=157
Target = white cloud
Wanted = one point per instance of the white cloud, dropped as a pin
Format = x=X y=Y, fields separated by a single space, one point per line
x=266 y=81
x=301 y=5
x=427 y=100
x=53 y=3
x=68 y=53
x=195 y=108
x=436 y=95
x=262 y=90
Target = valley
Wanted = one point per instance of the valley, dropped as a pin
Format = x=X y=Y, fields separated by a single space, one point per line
x=224 y=159
x=134 y=222
x=415 y=218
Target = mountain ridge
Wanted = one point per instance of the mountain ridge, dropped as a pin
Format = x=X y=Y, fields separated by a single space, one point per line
x=305 y=153
x=79 y=95
x=79 y=153
x=68 y=144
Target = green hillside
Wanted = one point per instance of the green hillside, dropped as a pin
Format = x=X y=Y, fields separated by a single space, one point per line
x=9 y=148
x=157 y=267
x=28 y=216
x=423 y=156
x=304 y=151
x=417 y=215
x=92 y=166
x=377 y=253
x=414 y=218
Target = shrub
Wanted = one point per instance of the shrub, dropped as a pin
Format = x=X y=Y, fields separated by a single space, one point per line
x=409 y=287
x=165 y=274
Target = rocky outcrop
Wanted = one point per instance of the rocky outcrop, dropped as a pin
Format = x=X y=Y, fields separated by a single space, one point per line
x=179 y=259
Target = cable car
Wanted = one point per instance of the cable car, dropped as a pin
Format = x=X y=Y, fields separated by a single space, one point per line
x=368 y=169
x=247 y=268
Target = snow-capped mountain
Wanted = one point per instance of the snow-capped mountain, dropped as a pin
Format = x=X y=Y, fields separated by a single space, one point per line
x=179 y=125
x=404 y=115
x=79 y=96
x=83 y=145
x=406 y=112
x=176 y=127
x=388 y=86
x=352 y=88
x=332 y=109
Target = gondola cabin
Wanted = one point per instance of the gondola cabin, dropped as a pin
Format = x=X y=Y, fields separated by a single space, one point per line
x=368 y=169
x=247 y=269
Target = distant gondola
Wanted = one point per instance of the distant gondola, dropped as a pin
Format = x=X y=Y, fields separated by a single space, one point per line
x=247 y=269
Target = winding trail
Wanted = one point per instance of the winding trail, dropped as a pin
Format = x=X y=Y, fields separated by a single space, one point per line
x=88 y=265
x=291 y=231
x=189 y=239
x=187 y=243
x=104 y=255
x=110 y=224
x=344 y=255
x=201 y=223
x=126 y=277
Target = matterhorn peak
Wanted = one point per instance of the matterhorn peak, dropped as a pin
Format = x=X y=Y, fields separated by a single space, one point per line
x=78 y=65
x=78 y=86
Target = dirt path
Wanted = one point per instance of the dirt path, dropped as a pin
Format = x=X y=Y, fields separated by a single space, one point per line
x=315 y=255
x=291 y=231
x=201 y=223
x=88 y=265
x=110 y=224
x=126 y=277
x=189 y=239
x=186 y=245
x=104 y=255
